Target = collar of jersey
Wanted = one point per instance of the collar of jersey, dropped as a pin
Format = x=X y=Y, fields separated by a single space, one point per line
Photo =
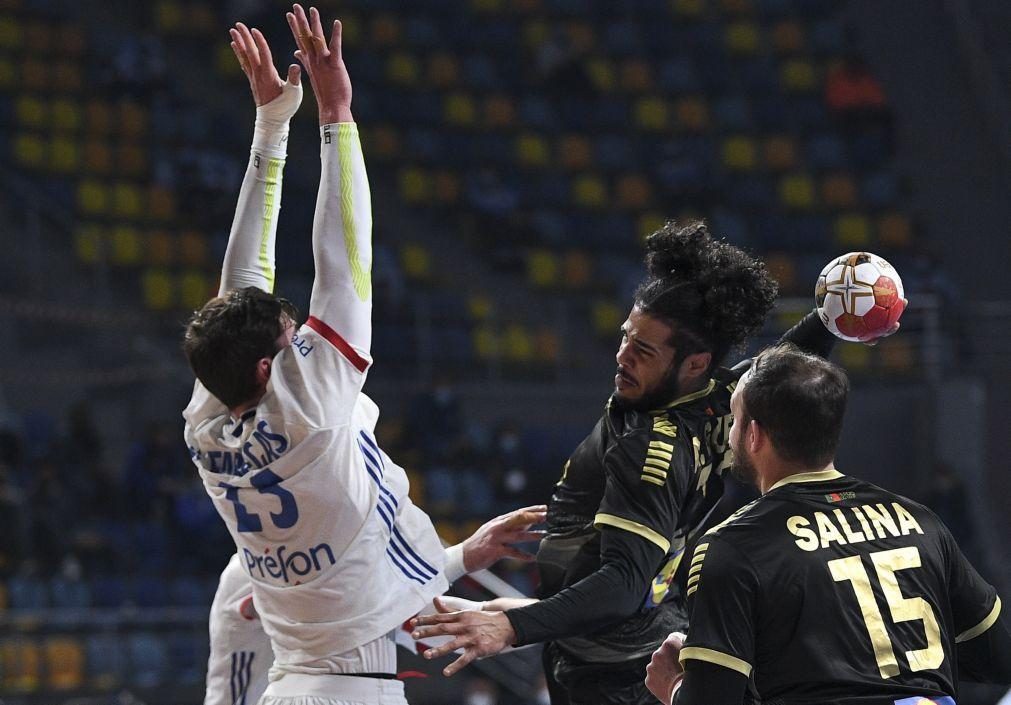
x=819 y=476
x=688 y=397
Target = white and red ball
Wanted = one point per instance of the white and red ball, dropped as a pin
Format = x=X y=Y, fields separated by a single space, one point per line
x=859 y=296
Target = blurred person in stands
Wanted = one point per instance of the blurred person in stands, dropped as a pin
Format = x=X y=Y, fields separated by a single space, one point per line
x=786 y=596
x=332 y=550
x=646 y=478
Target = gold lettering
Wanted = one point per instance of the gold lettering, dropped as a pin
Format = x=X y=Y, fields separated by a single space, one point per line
x=828 y=531
x=863 y=523
x=881 y=520
x=851 y=536
x=907 y=523
x=807 y=540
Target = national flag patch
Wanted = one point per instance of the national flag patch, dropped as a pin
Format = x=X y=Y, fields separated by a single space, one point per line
x=840 y=496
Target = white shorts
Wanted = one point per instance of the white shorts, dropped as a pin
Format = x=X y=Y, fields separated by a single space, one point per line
x=303 y=689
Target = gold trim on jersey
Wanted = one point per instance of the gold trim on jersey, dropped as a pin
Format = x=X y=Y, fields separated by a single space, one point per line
x=688 y=397
x=695 y=568
x=663 y=426
x=654 y=471
x=634 y=527
x=819 y=476
x=988 y=622
x=653 y=480
x=718 y=657
x=657 y=463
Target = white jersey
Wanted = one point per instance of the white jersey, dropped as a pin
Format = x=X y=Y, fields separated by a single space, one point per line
x=337 y=553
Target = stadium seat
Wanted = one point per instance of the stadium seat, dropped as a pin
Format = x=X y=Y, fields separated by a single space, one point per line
x=542 y=268
x=132 y=119
x=742 y=38
x=678 y=76
x=11 y=32
x=651 y=114
x=158 y=289
x=499 y=112
x=852 y=230
x=30 y=150
x=32 y=112
x=127 y=200
x=780 y=153
x=589 y=191
x=383 y=142
x=27 y=593
x=895 y=230
x=8 y=74
x=783 y=270
x=459 y=110
x=739 y=153
x=93 y=197
x=692 y=114
x=97 y=157
x=131 y=159
x=66 y=115
x=547 y=346
x=606 y=318
x=403 y=69
x=636 y=76
x=633 y=191
x=897 y=355
x=788 y=37
x=602 y=74
x=574 y=152
x=826 y=151
x=839 y=191
x=192 y=248
x=486 y=342
x=160 y=203
x=445 y=187
x=532 y=150
x=106 y=659
x=517 y=343
x=64 y=659
x=70 y=593
x=148 y=659
x=20 y=665
x=796 y=191
x=35 y=75
x=416 y=262
x=880 y=189
x=737 y=7
x=385 y=30
x=415 y=187
x=89 y=242
x=126 y=248
x=689 y=8
x=855 y=358
x=65 y=155
x=67 y=77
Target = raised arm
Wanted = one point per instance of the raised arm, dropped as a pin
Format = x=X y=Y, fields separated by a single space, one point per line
x=249 y=259
x=342 y=228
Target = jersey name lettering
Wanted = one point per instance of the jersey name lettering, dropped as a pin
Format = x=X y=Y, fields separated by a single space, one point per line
x=263 y=447
x=850 y=525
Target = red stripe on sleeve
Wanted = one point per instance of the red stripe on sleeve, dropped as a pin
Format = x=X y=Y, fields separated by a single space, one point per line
x=338 y=342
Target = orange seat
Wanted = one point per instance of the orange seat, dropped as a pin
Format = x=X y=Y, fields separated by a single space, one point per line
x=446 y=187
x=21 y=661
x=839 y=191
x=97 y=157
x=160 y=248
x=574 y=152
x=66 y=77
x=895 y=230
x=636 y=76
x=499 y=111
x=693 y=114
x=633 y=191
x=577 y=270
x=193 y=248
x=788 y=37
x=780 y=153
x=385 y=30
x=64 y=658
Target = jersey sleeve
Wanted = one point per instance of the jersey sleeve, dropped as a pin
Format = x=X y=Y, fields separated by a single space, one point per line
x=639 y=492
x=975 y=605
x=722 y=592
x=341 y=304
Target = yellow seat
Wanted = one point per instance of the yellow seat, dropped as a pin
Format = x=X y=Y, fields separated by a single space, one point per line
x=416 y=262
x=574 y=152
x=415 y=186
x=633 y=191
x=8 y=74
x=127 y=200
x=532 y=150
x=589 y=191
x=518 y=343
x=739 y=153
x=446 y=187
x=486 y=343
x=97 y=157
x=839 y=191
x=780 y=152
x=854 y=357
x=799 y=76
x=651 y=114
x=11 y=32
x=65 y=155
x=158 y=289
x=93 y=197
x=606 y=318
x=459 y=110
x=64 y=663
x=479 y=307
x=30 y=150
x=485 y=6
x=536 y=33
x=168 y=16
x=797 y=191
x=65 y=114
x=89 y=243
x=402 y=69
x=895 y=230
x=127 y=249
x=499 y=112
x=636 y=76
x=852 y=230
x=693 y=114
x=225 y=63
x=21 y=661
x=160 y=248
x=742 y=38
x=542 y=268
x=448 y=531
x=194 y=289
x=351 y=29
x=443 y=70
x=649 y=223
x=788 y=37
x=689 y=8
x=602 y=74
x=32 y=112
x=192 y=248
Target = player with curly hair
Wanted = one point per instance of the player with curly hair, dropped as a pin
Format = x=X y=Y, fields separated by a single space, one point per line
x=634 y=491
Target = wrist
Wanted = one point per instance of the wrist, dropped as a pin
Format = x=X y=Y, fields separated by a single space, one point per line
x=270 y=136
x=678 y=680
x=455 y=567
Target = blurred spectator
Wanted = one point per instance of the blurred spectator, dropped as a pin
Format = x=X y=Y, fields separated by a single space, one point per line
x=435 y=420
x=54 y=509
x=13 y=519
x=156 y=472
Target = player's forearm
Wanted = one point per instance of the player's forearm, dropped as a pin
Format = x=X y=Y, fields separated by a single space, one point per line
x=709 y=684
x=342 y=238
x=811 y=335
x=987 y=657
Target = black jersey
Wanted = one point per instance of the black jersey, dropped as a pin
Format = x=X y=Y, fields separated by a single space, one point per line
x=655 y=474
x=831 y=590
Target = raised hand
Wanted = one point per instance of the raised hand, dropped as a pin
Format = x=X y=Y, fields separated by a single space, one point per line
x=493 y=540
x=324 y=64
x=253 y=53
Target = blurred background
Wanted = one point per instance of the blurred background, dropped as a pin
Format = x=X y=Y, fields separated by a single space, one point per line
x=519 y=151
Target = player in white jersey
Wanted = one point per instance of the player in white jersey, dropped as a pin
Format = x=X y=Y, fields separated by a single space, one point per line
x=337 y=554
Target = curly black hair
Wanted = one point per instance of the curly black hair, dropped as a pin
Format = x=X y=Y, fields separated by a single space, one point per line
x=714 y=294
x=227 y=337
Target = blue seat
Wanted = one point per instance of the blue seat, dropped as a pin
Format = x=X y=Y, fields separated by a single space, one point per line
x=730 y=225
x=188 y=591
x=752 y=192
x=679 y=76
x=621 y=38
x=109 y=591
x=870 y=149
x=420 y=31
x=149 y=592
x=480 y=72
x=187 y=655
x=732 y=112
x=615 y=152
x=69 y=593
x=148 y=657
x=106 y=658
x=537 y=112
x=27 y=593
x=880 y=189
x=826 y=151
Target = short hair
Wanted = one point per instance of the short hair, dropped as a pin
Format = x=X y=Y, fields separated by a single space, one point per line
x=227 y=337
x=799 y=399
x=714 y=294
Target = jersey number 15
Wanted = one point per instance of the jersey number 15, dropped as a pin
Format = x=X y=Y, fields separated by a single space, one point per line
x=903 y=609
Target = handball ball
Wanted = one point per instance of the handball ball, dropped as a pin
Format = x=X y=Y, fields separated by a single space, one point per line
x=859 y=296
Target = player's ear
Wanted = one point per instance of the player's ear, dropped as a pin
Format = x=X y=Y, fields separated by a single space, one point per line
x=755 y=437
x=695 y=365
x=263 y=370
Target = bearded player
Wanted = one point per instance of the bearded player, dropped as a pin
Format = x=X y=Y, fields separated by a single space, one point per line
x=335 y=553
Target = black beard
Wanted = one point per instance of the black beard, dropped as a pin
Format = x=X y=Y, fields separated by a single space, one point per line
x=743 y=470
x=667 y=390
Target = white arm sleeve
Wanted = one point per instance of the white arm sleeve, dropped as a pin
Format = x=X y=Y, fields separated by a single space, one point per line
x=342 y=239
x=249 y=259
